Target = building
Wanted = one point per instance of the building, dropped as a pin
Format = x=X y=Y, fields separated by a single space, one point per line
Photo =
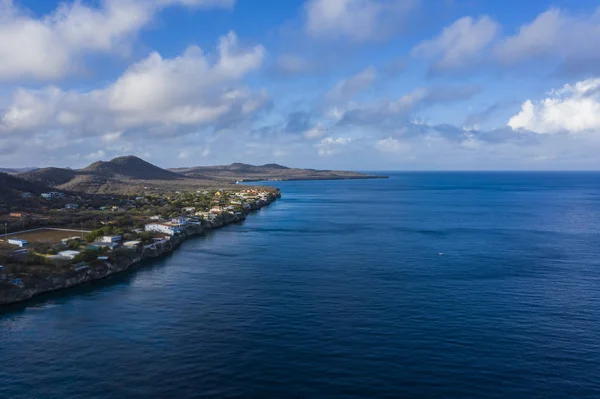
x=162 y=228
x=68 y=254
x=132 y=244
x=113 y=239
x=52 y=195
x=20 y=243
x=179 y=222
x=71 y=206
x=189 y=209
x=26 y=195
x=99 y=245
x=16 y=215
x=155 y=217
x=216 y=209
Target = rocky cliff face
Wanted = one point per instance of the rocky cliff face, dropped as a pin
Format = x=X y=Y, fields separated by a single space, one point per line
x=11 y=294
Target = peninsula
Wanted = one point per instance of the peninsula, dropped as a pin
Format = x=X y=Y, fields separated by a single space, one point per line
x=64 y=227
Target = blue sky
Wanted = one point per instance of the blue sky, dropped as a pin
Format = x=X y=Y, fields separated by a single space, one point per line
x=352 y=84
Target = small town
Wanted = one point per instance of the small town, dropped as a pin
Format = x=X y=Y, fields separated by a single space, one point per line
x=56 y=240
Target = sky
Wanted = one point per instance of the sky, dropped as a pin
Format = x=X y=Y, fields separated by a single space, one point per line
x=336 y=84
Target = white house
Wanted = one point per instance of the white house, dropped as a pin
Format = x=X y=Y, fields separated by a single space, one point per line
x=155 y=217
x=180 y=221
x=20 y=243
x=162 y=228
x=68 y=254
x=113 y=239
x=71 y=206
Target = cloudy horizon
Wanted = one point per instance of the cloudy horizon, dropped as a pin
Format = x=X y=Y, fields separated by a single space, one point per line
x=334 y=84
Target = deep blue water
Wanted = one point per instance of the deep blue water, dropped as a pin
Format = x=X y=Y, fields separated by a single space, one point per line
x=339 y=290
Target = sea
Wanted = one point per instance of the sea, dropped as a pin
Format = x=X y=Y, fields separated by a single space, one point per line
x=423 y=285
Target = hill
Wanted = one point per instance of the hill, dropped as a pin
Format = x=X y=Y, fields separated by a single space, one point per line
x=245 y=172
x=49 y=176
x=15 y=170
x=129 y=167
x=11 y=187
x=132 y=175
x=127 y=174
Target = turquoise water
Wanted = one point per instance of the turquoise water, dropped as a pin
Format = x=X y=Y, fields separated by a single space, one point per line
x=338 y=290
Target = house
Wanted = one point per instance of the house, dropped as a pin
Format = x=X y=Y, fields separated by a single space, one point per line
x=113 y=239
x=71 y=206
x=20 y=243
x=68 y=254
x=132 y=244
x=162 y=228
x=15 y=215
x=189 y=209
x=180 y=221
x=52 y=195
x=99 y=245
x=26 y=195
x=216 y=209
x=155 y=217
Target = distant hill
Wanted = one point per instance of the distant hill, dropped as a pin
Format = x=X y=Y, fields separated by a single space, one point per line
x=12 y=187
x=132 y=175
x=130 y=167
x=120 y=175
x=246 y=172
x=49 y=176
x=16 y=170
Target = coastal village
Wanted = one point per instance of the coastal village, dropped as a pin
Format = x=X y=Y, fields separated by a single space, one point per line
x=56 y=240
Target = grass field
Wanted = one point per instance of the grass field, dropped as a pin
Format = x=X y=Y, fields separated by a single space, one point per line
x=46 y=235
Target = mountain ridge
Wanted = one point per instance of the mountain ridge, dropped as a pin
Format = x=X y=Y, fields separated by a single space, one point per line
x=130 y=174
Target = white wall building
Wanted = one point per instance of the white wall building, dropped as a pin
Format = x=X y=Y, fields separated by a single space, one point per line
x=162 y=228
x=68 y=254
x=20 y=243
x=111 y=239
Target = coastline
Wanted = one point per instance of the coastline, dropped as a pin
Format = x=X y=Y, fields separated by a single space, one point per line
x=328 y=178
x=14 y=294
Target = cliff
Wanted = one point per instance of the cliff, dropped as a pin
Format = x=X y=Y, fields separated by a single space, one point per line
x=10 y=293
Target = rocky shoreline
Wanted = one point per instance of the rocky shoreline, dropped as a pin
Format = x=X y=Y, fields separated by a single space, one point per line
x=10 y=294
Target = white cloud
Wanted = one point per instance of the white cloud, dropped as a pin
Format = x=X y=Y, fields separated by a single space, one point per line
x=572 y=109
x=460 y=43
x=392 y=145
x=348 y=88
x=294 y=64
x=555 y=34
x=332 y=145
x=357 y=20
x=51 y=46
x=158 y=94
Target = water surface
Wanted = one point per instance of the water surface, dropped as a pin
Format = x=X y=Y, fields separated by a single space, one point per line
x=338 y=290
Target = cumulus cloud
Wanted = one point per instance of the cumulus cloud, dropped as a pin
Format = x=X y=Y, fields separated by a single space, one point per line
x=332 y=145
x=51 y=46
x=390 y=113
x=459 y=44
x=573 y=109
x=348 y=88
x=555 y=34
x=294 y=64
x=567 y=40
x=357 y=20
x=160 y=95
